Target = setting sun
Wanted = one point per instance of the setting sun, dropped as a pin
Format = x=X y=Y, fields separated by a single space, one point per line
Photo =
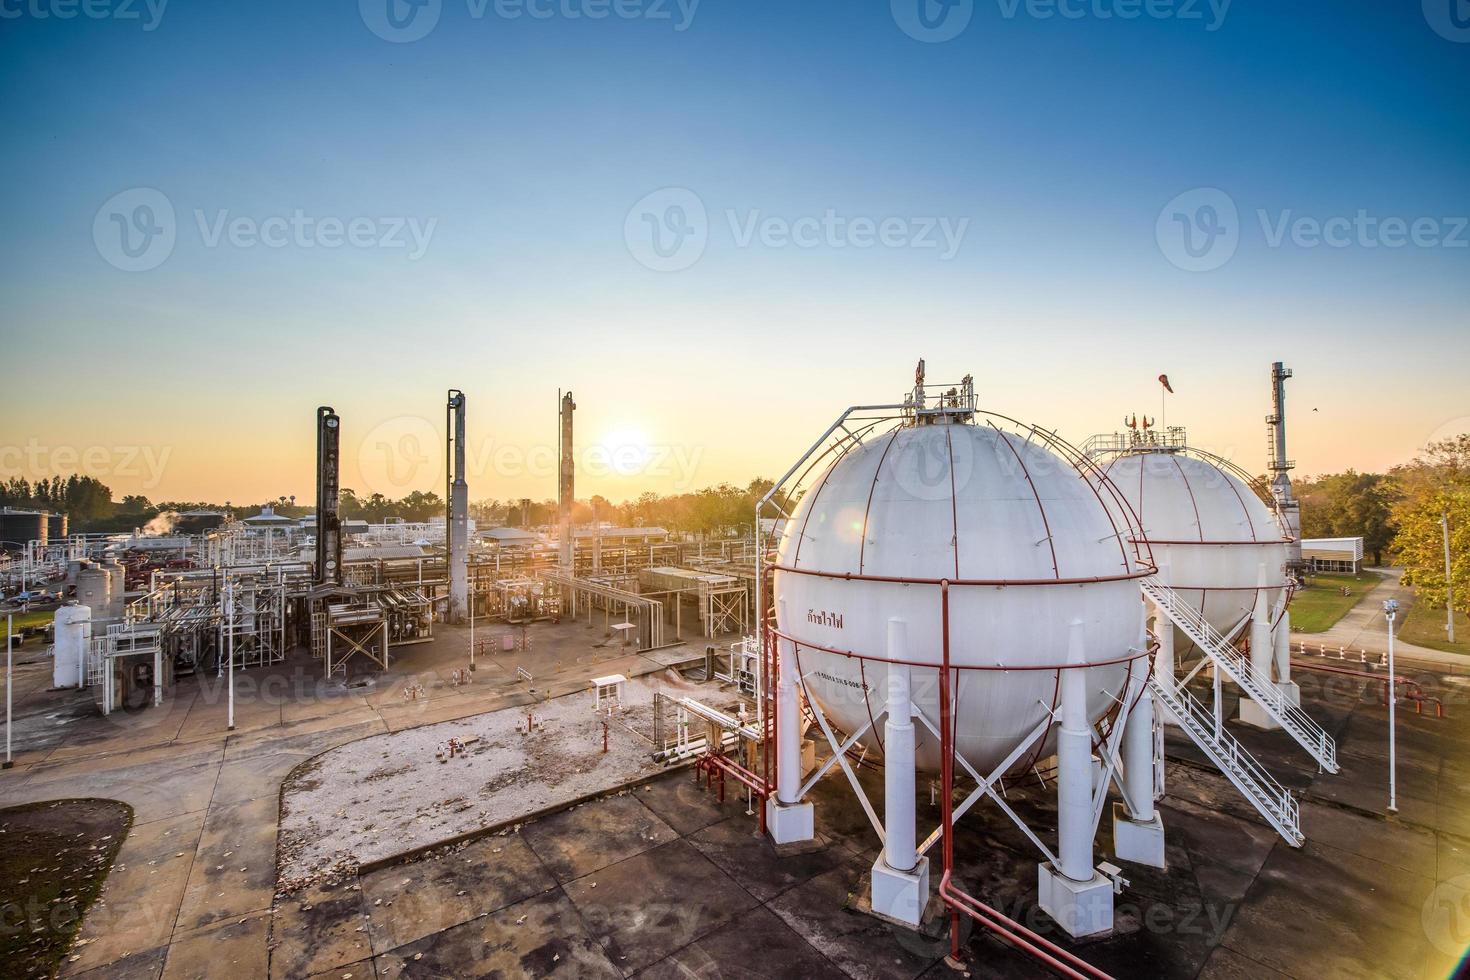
x=622 y=452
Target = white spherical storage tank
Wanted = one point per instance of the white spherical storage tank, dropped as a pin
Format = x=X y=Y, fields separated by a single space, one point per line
x=1028 y=547
x=1209 y=532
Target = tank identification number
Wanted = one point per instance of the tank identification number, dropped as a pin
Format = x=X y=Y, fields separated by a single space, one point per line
x=843 y=681
x=821 y=617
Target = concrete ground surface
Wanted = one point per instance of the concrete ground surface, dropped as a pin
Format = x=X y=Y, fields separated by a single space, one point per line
x=194 y=881
x=665 y=881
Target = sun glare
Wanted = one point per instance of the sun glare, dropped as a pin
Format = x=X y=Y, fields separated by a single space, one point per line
x=625 y=452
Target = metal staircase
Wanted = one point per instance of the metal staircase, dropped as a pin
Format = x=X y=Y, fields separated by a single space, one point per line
x=1273 y=800
x=1310 y=735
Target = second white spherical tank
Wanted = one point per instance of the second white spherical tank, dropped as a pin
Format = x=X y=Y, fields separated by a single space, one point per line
x=1209 y=533
x=962 y=502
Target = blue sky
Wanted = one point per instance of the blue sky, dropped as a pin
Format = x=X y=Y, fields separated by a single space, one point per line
x=526 y=142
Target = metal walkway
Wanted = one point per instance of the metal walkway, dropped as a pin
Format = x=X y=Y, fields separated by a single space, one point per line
x=1310 y=735
x=1273 y=800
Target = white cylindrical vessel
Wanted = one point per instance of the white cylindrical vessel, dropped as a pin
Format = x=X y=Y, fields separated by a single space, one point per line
x=116 y=588
x=1208 y=531
x=1029 y=548
x=73 y=631
x=93 y=587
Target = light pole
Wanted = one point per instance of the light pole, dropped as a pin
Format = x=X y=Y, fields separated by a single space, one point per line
x=1449 y=587
x=1390 y=611
x=9 y=687
x=230 y=613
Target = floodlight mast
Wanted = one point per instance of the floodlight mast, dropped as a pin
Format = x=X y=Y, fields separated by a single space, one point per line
x=1390 y=612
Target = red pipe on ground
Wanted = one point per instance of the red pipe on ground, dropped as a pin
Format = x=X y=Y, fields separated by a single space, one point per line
x=1412 y=690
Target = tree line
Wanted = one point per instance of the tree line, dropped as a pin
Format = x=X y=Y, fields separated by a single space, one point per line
x=713 y=511
x=82 y=498
x=1398 y=514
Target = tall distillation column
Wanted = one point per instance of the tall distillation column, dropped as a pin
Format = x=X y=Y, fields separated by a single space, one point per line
x=328 y=497
x=566 y=486
x=458 y=501
x=1291 y=514
x=1280 y=482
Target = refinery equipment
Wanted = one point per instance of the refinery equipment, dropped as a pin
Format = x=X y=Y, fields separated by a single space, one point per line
x=73 y=632
x=1286 y=505
x=566 y=481
x=963 y=581
x=19 y=528
x=328 y=497
x=457 y=500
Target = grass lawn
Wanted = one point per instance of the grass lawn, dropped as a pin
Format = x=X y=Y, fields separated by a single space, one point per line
x=37 y=619
x=1321 y=604
x=1424 y=626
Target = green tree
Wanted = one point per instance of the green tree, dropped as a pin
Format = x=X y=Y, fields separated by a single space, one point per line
x=1436 y=486
x=1350 y=504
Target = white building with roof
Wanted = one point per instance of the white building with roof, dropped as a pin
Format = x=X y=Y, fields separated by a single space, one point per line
x=1333 y=554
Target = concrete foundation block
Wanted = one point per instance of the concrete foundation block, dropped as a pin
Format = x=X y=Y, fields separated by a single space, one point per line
x=1081 y=908
x=789 y=823
x=1141 y=842
x=808 y=756
x=900 y=895
x=1291 y=692
x=1251 y=713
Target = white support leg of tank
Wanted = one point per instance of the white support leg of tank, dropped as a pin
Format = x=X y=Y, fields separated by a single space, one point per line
x=788 y=820
x=1288 y=687
x=900 y=876
x=1138 y=829
x=1262 y=654
x=1164 y=661
x=1072 y=891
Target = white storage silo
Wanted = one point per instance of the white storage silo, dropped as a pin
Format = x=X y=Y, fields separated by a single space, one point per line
x=73 y=631
x=949 y=531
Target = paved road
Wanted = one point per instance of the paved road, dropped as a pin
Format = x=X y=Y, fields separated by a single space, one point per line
x=1364 y=628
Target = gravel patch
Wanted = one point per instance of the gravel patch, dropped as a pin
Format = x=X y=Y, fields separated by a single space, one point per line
x=387 y=794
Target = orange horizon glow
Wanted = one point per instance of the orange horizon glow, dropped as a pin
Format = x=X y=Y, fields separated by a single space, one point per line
x=643 y=438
